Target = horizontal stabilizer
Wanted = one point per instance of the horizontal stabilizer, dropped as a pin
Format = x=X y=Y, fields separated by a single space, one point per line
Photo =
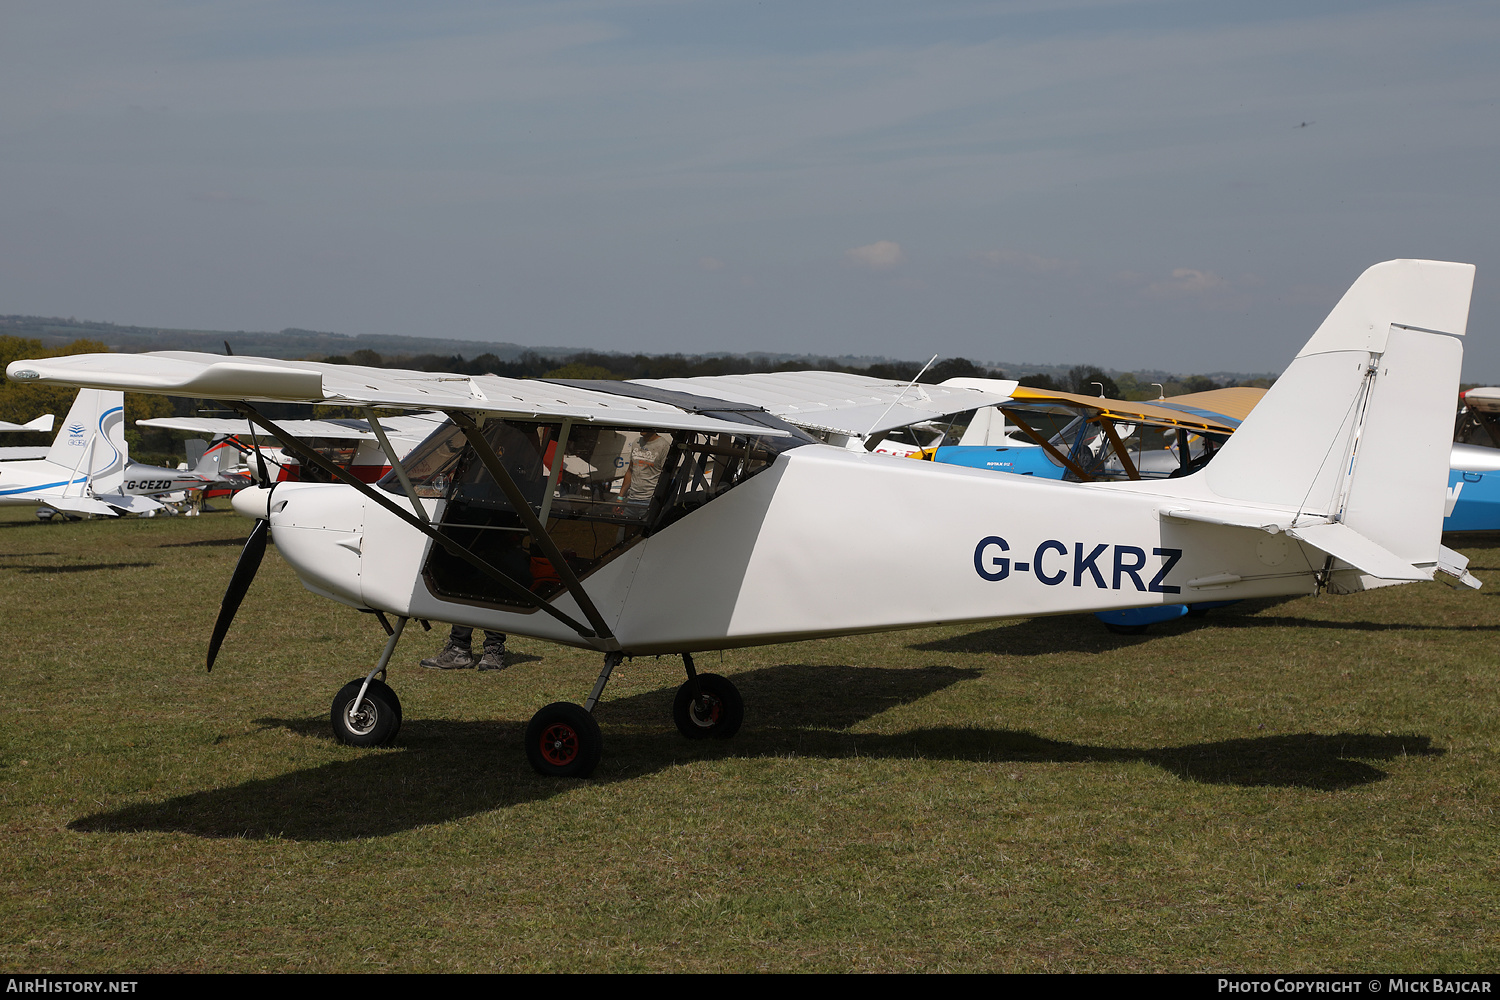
x=126 y=503
x=73 y=505
x=1343 y=542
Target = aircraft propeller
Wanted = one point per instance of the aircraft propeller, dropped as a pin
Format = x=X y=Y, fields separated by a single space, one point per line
x=239 y=583
x=256 y=503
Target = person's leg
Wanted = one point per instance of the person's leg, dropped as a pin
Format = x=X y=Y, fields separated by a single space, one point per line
x=494 y=651
x=457 y=653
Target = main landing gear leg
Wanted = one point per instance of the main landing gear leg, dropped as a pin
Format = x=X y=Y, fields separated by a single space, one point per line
x=707 y=706
x=563 y=739
x=367 y=713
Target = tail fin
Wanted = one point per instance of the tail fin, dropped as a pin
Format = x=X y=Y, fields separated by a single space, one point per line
x=217 y=456
x=1359 y=427
x=91 y=441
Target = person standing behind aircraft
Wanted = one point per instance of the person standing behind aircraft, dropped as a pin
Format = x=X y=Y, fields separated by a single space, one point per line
x=458 y=652
x=647 y=456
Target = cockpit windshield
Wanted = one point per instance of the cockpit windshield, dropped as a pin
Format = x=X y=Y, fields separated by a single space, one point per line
x=598 y=491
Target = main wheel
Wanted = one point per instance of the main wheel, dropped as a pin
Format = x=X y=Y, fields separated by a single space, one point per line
x=377 y=721
x=563 y=741
x=716 y=713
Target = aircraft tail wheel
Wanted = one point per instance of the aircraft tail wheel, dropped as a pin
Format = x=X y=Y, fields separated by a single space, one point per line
x=563 y=741
x=717 y=712
x=377 y=720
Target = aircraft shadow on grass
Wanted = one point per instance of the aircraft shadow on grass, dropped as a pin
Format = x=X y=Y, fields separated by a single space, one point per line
x=441 y=770
x=75 y=567
x=237 y=543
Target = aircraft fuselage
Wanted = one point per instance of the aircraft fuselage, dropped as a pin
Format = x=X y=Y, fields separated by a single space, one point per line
x=804 y=549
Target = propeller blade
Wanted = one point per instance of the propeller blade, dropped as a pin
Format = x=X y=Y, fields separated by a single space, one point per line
x=244 y=572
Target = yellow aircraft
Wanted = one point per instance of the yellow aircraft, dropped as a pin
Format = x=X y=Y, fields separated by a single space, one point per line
x=1089 y=438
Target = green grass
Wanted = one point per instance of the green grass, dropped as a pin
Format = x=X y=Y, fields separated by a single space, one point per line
x=1298 y=785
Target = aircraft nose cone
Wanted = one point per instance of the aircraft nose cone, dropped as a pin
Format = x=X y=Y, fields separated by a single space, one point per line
x=252 y=502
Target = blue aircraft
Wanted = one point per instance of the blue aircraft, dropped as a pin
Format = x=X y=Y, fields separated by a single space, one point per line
x=1474 y=479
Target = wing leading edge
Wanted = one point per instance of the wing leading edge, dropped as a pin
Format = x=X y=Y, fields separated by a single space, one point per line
x=213 y=376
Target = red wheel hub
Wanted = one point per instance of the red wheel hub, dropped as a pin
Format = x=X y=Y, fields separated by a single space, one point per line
x=559 y=744
x=706 y=711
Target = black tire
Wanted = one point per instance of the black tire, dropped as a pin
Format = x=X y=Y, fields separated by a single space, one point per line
x=563 y=741
x=717 y=714
x=378 y=720
x=1126 y=629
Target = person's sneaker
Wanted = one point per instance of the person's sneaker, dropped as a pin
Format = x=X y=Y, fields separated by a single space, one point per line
x=450 y=657
x=493 y=657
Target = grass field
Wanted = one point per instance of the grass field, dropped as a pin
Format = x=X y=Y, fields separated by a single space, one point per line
x=1299 y=785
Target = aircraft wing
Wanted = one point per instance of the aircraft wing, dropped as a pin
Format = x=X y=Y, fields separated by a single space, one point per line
x=1218 y=411
x=839 y=402
x=215 y=376
x=41 y=424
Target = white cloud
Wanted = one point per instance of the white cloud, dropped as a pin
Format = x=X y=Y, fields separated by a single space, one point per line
x=879 y=256
x=1187 y=281
x=710 y=264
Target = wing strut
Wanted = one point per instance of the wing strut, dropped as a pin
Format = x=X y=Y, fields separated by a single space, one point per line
x=528 y=517
x=1032 y=433
x=311 y=457
x=1108 y=426
x=390 y=453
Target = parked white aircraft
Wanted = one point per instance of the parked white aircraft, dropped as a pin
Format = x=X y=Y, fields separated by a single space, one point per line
x=754 y=533
x=88 y=468
x=84 y=470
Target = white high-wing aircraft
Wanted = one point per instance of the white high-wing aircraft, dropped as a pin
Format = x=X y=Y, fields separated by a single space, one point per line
x=88 y=468
x=754 y=533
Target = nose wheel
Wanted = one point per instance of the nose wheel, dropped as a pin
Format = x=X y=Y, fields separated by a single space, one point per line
x=366 y=712
x=373 y=722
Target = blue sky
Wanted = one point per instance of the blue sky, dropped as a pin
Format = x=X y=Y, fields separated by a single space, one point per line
x=1107 y=181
